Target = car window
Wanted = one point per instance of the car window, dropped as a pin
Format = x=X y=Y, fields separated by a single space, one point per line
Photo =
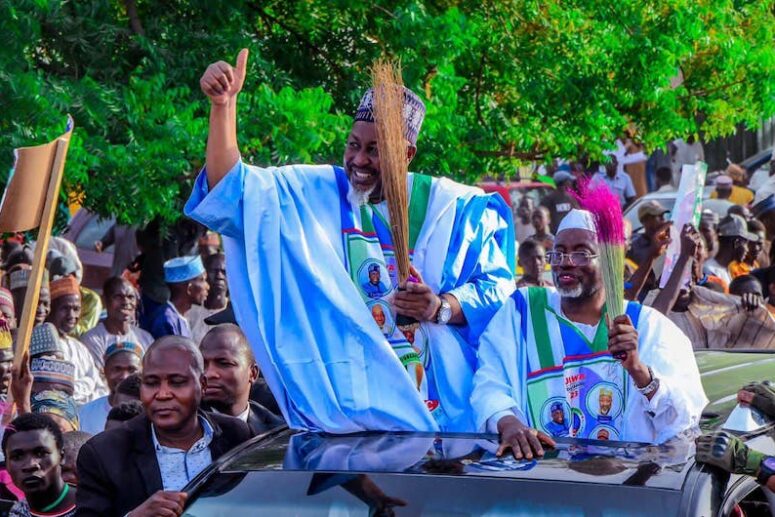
x=306 y=493
x=93 y=230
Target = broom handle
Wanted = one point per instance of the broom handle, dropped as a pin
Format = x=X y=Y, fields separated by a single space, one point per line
x=620 y=356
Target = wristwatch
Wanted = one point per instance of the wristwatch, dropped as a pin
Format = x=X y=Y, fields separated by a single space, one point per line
x=652 y=386
x=445 y=312
x=766 y=470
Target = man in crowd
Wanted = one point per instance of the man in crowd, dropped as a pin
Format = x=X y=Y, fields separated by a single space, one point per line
x=230 y=371
x=532 y=260
x=120 y=361
x=140 y=467
x=647 y=247
x=217 y=296
x=65 y=313
x=708 y=317
x=560 y=201
x=187 y=282
x=62 y=261
x=734 y=239
x=739 y=194
x=73 y=442
x=664 y=178
x=618 y=181
x=6 y=307
x=333 y=227
x=522 y=225
x=540 y=220
x=521 y=372
x=719 y=203
x=34 y=450
x=118 y=327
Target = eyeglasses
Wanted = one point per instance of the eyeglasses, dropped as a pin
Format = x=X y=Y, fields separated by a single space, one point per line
x=576 y=258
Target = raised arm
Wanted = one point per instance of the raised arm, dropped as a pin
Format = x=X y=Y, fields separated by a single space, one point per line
x=222 y=83
x=667 y=297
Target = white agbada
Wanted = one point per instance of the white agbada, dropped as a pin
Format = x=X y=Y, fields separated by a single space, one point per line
x=518 y=344
x=89 y=384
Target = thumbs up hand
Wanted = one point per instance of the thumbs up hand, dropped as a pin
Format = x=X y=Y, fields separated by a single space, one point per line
x=221 y=82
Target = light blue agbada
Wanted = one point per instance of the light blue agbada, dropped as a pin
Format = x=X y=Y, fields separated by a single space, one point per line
x=299 y=256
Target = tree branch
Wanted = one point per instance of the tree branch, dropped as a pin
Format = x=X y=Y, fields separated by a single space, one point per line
x=268 y=19
x=134 y=19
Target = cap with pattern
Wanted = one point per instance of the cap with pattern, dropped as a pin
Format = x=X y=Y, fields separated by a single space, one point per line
x=414 y=112
x=65 y=286
x=122 y=346
x=55 y=402
x=183 y=269
x=45 y=340
x=55 y=371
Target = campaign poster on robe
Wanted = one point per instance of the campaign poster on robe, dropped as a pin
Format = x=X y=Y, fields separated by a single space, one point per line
x=687 y=209
x=25 y=194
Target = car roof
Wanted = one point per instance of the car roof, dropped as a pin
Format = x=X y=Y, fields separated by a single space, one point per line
x=577 y=461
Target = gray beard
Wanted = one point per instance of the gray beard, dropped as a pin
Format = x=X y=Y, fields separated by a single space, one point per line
x=573 y=294
x=359 y=197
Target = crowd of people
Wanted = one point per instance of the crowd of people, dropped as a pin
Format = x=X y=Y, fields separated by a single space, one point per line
x=124 y=396
x=171 y=381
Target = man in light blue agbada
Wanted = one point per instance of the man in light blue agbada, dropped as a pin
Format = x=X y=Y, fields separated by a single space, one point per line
x=312 y=275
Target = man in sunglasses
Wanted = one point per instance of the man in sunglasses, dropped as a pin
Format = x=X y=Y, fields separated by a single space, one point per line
x=549 y=349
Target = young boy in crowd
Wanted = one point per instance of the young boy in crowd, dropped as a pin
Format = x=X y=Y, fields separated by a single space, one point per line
x=34 y=449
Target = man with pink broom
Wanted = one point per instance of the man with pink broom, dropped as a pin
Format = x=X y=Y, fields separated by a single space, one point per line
x=616 y=371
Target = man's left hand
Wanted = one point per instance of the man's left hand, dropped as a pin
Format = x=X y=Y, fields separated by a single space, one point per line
x=623 y=345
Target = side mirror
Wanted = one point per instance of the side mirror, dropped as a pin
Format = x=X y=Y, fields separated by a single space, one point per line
x=745 y=419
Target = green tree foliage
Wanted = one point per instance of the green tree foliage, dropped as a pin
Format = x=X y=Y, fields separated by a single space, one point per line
x=503 y=81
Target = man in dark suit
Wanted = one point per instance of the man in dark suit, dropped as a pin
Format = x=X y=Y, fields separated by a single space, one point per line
x=230 y=372
x=138 y=469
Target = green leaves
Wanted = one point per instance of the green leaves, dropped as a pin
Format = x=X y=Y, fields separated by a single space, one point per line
x=504 y=82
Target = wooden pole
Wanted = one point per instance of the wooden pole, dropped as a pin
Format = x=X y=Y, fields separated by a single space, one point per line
x=41 y=248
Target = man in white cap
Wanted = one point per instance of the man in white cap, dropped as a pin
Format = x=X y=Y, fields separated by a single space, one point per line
x=302 y=245
x=637 y=381
x=187 y=281
x=721 y=204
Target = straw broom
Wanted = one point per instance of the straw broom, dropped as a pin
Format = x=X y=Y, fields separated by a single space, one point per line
x=391 y=144
x=606 y=210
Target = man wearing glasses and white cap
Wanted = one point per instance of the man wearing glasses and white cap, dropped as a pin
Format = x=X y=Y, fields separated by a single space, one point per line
x=637 y=381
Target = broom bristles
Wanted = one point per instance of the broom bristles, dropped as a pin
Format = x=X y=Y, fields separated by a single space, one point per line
x=391 y=143
x=606 y=210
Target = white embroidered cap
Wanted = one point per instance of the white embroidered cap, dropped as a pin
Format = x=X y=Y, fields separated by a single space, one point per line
x=577 y=220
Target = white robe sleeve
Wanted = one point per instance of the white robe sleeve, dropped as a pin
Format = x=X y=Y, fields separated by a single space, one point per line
x=678 y=403
x=502 y=367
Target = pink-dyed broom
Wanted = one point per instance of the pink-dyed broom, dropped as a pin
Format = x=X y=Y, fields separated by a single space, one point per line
x=597 y=198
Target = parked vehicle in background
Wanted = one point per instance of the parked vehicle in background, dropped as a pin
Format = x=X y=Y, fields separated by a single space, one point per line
x=666 y=199
x=757 y=161
x=84 y=230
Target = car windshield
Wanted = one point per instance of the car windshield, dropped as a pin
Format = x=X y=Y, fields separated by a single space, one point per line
x=354 y=494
